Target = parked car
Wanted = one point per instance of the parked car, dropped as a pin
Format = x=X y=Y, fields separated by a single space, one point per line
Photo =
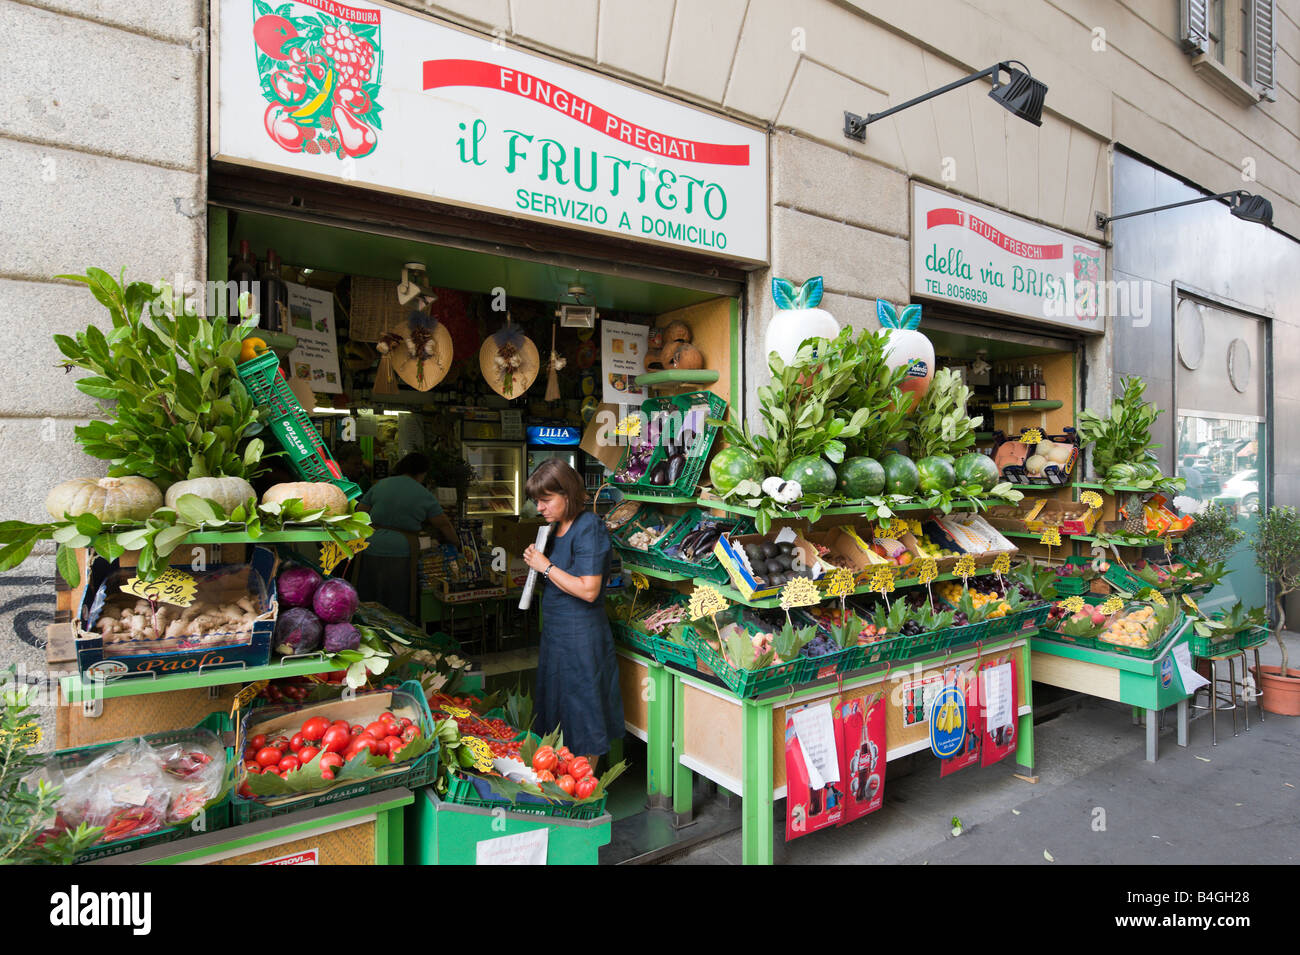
x=1243 y=487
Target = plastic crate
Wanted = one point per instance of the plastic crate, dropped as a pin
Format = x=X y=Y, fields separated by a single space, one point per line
x=466 y=790
x=832 y=664
x=1253 y=637
x=284 y=417
x=706 y=567
x=878 y=651
x=697 y=454
x=1210 y=647
x=745 y=683
x=1026 y=619
x=1151 y=652
x=645 y=517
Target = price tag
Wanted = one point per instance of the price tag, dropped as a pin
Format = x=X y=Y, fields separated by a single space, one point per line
x=839 y=583
x=1073 y=604
x=639 y=581
x=1191 y=604
x=882 y=579
x=705 y=601
x=331 y=554
x=246 y=696
x=457 y=712
x=1091 y=498
x=174 y=587
x=29 y=734
x=1002 y=564
x=481 y=752
x=1031 y=436
x=1051 y=536
x=965 y=566
x=1169 y=546
x=1112 y=605
x=1156 y=597
x=915 y=528
x=929 y=569
x=799 y=592
x=629 y=426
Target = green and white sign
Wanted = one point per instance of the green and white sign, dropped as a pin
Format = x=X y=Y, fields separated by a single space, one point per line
x=978 y=257
x=375 y=96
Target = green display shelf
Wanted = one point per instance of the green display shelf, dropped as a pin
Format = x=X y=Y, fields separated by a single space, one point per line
x=649 y=499
x=732 y=594
x=677 y=376
x=652 y=572
x=1120 y=487
x=76 y=689
x=270 y=537
x=841 y=511
x=1144 y=542
x=1032 y=536
x=1041 y=405
x=1043 y=487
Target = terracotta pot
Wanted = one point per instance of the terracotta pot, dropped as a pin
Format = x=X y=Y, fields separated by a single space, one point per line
x=1281 y=694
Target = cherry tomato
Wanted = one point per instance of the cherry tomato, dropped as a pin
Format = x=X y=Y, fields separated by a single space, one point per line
x=580 y=768
x=257 y=742
x=330 y=762
x=336 y=739
x=307 y=754
x=314 y=729
x=377 y=730
x=387 y=717
x=545 y=776
x=252 y=766
x=410 y=733
x=296 y=742
x=269 y=756
x=544 y=759
x=567 y=783
x=280 y=742
x=356 y=729
x=326 y=774
x=585 y=787
x=288 y=764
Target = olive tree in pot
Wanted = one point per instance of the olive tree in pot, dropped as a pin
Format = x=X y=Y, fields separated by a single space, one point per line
x=1277 y=554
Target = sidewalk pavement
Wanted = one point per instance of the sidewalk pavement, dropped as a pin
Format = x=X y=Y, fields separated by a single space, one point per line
x=1097 y=801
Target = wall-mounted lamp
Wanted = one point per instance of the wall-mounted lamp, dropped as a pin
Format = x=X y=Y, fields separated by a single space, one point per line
x=1021 y=94
x=1241 y=204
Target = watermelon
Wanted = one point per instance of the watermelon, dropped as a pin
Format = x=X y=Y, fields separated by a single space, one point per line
x=976 y=468
x=1121 y=474
x=730 y=466
x=861 y=477
x=936 y=474
x=901 y=476
x=814 y=474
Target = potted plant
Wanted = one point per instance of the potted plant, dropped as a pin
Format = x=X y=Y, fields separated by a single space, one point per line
x=1277 y=554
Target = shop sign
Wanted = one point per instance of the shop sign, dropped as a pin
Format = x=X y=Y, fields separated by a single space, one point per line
x=374 y=96
x=543 y=436
x=971 y=255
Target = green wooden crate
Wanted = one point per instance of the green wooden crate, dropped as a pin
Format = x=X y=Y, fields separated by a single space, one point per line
x=698 y=453
x=745 y=683
x=708 y=567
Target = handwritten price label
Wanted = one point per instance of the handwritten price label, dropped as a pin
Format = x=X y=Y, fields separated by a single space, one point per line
x=1169 y=546
x=1112 y=605
x=1091 y=498
x=481 y=752
x=639 y=581
x=174 y=587
x=884 y=525
x=28 y=735
x=915 y=528
x=1002 y=564
x=965 y=566
x=882 y=580
x=800 y=592
x=247 y=695
x=629 y=427
x=929 y=570
x=456 y=712
x=1051 y=536
x=1073 y=604
x=1157 y=598
x=839 y=583
x=1031 y=436
x=1191 y=604
x=705 y=602
x=332 y=554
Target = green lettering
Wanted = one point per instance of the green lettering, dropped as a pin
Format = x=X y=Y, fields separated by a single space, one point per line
x=515 y=153
x=665 y=183
x=547 y=162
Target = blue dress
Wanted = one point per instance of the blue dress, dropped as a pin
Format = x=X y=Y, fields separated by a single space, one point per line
x=577 y=672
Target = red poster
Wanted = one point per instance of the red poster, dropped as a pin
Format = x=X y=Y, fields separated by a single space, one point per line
x=861 y=725
x=965 y=678
x=998 y=722
x=814 y=793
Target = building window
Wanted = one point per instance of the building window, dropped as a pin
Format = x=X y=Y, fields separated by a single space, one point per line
x=1231 y=43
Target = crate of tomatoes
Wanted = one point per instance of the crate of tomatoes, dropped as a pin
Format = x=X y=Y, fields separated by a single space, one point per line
x=296 y=756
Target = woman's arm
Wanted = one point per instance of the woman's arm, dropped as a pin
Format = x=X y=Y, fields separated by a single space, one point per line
x=584 y=588
x=442 y=526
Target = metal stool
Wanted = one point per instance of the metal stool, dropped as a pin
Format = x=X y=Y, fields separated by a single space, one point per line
x=1213 y=697
x=1257 y=680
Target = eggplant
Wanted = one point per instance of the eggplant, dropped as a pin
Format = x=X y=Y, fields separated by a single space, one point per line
x=676 y=465
x=685 y=438
x=659 y=475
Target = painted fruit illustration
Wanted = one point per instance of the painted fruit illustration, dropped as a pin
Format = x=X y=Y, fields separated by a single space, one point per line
x=906 y=347
x=320 y=76
x=797 y=318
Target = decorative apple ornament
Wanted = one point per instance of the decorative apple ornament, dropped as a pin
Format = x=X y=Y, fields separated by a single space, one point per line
x=797 y=318
x=905 y=347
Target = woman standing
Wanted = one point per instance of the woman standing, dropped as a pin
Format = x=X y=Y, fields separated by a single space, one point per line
x=577 y=673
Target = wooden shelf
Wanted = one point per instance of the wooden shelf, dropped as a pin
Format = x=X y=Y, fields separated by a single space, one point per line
x=76 y=689
x=677 y=376
x=243 y=537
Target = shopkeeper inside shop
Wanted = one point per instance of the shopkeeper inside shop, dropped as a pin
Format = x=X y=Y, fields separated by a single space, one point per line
x=400 y=508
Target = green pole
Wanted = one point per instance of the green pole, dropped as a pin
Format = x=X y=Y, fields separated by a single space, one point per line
x=658 y=685
x=683 y=778
x=1025 y=725
x=756 y=807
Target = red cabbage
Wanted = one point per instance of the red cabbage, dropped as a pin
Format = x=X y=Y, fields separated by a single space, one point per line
x=297 y=585
x=335 y=601
x=298 y=630
x=341 y=636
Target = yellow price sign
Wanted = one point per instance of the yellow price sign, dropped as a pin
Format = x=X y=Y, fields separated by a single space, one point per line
x=247 y=695
x=915 y=528
x=332 y=554
x=1051 y=536
x=882 y=579
x=1169 y=546
x=457 y=712
x=1112 y=605
x=1073 y=604
x=639 y=581
x=884 y=525
x=174 y=587
x=705 y=602
x=839 y=583
x=929 y=569
x=1002 y=564
x=29 y=734
x=1091 y=498
x=480 y=750
x=1157 y=598
x=629 y=426
x=799 y=592
x=965 y=566
x=1191 y=604
x=1031 y=436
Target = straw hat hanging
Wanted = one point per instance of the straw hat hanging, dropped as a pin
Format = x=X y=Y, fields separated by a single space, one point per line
x=509 y=361
x=419 y=354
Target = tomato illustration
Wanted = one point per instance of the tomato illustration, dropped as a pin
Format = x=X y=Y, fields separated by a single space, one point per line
x=271 y=33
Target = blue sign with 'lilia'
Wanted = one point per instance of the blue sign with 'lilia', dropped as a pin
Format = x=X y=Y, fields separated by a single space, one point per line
x=544 y=436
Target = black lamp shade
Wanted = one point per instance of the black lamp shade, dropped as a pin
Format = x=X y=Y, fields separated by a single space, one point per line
x=1022 y=95
x=1253 y=209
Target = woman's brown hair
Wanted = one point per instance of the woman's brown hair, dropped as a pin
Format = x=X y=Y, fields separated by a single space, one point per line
x=554 y=476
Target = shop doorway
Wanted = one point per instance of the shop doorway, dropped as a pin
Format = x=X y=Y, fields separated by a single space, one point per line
x=1221 y=396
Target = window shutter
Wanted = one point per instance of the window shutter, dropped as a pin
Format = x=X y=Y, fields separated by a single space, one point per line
x=1261 y=48
x=1195 y=24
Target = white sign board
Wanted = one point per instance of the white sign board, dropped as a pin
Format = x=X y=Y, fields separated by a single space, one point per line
x=969 y=254
x=622 y=359
x=315 y=359
x=526 y=848
x=375 y=96
x=815 y=727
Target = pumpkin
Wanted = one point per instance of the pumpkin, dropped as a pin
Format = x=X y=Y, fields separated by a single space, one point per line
x=117 y=500
x=229 y=492
x=313 y=494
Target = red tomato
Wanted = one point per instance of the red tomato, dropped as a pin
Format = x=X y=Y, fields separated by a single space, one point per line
x=307 y=754
x=245 y=791
x=357 y=729
x=280 y=742
x=387 y=717
x=252 y=766
x=377 y=730
x=296 y=742
x=544 y=759
x=258 y=741
x=410 y=733
x=585 y=787
x=368 y=743
x=269 y=756
x=381 y=746
x=567 y=783
x=314 y=729
x=580 y=768
x=564 y=754
x=395 y=746
x=545 y=776
x=251 y=752
x=342 y=723
x=330 y=762
x=561 y=768
x=335 y=739
x=404 y=722
x=326 y=774
x=288 y=764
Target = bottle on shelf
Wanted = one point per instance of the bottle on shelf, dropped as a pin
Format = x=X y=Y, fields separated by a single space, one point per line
x=1022 y=385
x=243 y=279
x=275 y=294
x=1042 y=385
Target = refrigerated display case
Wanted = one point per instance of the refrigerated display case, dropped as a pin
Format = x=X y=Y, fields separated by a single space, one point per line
x=549 y=441
x=498 y=478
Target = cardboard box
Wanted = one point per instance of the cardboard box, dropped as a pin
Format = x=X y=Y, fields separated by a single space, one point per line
x=515 y=534
x=850 y=545
x=1072 y=517
x=730 y=552
x=971 y=534
x=1012 y=517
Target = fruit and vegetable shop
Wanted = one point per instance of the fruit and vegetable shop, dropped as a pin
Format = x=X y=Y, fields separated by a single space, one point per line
x=838 y=547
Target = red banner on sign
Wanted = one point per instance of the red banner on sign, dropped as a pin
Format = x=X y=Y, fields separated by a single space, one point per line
x=1026 y=250
x=343 y=12
x=439 y=73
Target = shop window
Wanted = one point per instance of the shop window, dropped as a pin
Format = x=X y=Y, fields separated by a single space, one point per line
x=1232 y=44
